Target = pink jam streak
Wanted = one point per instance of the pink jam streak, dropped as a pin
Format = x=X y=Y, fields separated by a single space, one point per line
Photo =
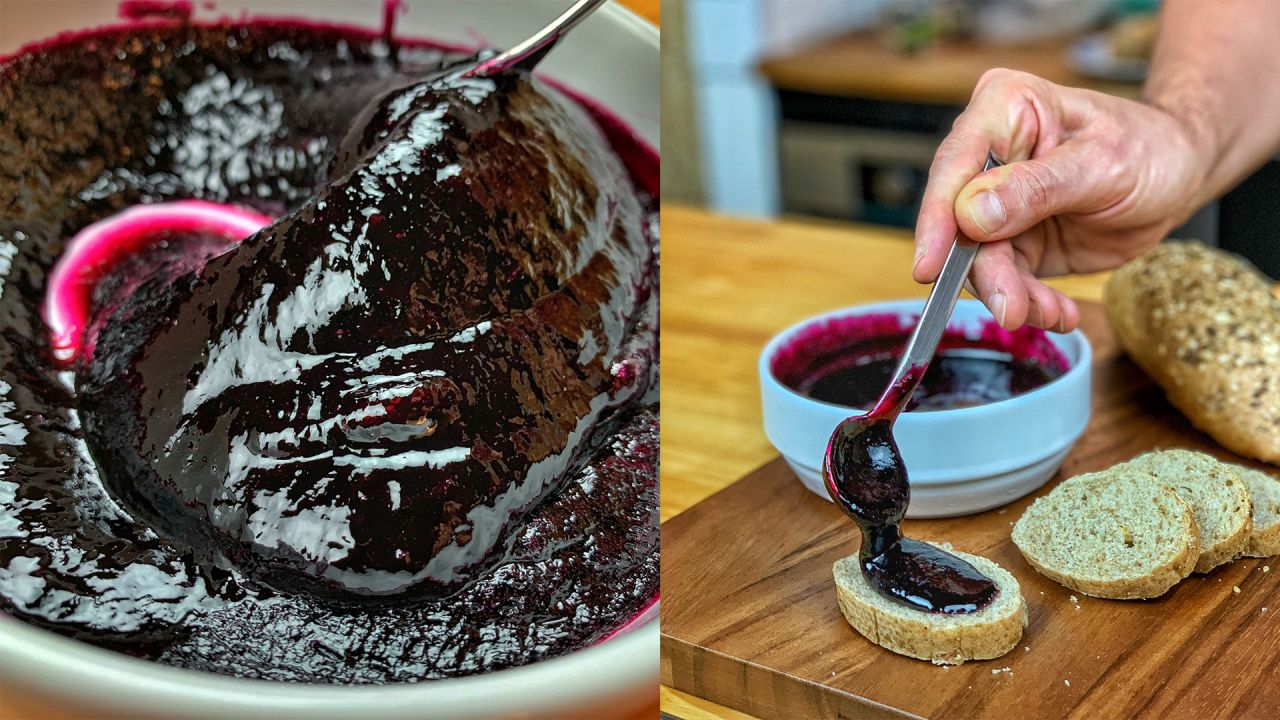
x=179 y=10
x=650 y=612
x=876 y=333
x=96 y=248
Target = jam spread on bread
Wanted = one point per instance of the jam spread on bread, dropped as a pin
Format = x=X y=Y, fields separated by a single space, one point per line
x=866 y=479
x=408 y=430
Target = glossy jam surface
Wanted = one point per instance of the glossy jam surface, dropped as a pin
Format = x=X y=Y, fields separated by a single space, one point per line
x=866 y=479
x=849 y=361
x=955 y=379
x=409 y=430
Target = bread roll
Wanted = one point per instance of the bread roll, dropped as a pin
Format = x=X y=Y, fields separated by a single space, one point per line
x=1204 y=325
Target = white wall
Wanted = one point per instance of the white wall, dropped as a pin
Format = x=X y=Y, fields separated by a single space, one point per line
x=736 y=111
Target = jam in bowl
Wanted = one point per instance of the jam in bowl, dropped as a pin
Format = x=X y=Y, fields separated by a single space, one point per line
x=995 y=415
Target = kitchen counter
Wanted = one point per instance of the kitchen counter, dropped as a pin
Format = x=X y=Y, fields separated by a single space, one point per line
x=861 y=65
x=728 y=285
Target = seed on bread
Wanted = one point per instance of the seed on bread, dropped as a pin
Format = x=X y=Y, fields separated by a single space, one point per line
x=1217 y=494
x=944 y=639
x=1116 y=534
x=1204 y=325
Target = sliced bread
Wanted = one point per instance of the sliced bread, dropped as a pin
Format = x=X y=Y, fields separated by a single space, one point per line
x=944 y=639
x=1115 y=534
x=1264 y=494
x=1218 y=496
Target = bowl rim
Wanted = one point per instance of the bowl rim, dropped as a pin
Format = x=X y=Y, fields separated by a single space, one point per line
x=1081 y=365
x=55 y=665
x=82 y=672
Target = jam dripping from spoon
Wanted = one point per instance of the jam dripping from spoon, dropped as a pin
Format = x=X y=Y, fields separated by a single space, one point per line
x=866 y=478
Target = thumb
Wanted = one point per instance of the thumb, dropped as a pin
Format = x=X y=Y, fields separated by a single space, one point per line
x=1005 y=201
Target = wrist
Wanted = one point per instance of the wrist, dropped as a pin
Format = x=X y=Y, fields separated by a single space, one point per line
x=1195 y=138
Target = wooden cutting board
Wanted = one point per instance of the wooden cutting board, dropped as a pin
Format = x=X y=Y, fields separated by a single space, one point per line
x=749 y=616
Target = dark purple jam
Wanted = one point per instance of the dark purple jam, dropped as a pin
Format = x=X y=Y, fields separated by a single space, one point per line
x=955 y=379
x=849 y=361
x=409 y=430
x=867 y=480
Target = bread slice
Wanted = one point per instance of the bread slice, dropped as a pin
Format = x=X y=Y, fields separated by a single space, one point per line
x=1218 y=496
x=1204 y=325
x=1264 y=495
x=944 y=639
x=1116 y=534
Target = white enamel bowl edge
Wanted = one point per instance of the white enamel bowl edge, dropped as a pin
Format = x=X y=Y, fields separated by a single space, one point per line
x=959 y=461
x=612 y=58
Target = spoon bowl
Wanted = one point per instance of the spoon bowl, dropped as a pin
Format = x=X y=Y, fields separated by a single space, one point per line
x=864 y=471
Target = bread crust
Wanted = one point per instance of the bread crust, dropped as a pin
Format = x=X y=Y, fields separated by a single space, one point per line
x=1178 y=468
x=941 y=639
x=1264 y=539
x=1152 y=584
x=1204 y=325
x=1141 y=588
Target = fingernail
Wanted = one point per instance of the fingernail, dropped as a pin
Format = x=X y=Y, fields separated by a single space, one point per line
x=919 y=256
x=996 y=304
x=1062 y=323
x=987 y=211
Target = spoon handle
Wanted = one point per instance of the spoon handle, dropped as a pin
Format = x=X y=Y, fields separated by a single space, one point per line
x=531 y=51
x=933 y=322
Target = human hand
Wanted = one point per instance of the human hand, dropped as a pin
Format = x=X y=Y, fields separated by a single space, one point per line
x=1089 y=181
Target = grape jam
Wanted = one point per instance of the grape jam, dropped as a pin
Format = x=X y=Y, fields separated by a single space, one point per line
x=850 y=361
x=408 y=430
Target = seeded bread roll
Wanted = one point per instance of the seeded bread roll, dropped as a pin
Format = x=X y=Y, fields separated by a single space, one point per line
x=944 y=639
x=1204 y=325
x=1264 y=495
x=1218 y=496
x=1115 y=534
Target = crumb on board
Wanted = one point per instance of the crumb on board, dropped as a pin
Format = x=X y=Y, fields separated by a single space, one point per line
x=1266 y=568
x=1067 y=683
x=1264 y=609
x=1235 y=589
x=1075 y=601
x=997 y=671
x=1026 y=648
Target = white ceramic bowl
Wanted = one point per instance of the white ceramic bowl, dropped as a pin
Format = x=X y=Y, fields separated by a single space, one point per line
x=613 y=58
x=959 y=461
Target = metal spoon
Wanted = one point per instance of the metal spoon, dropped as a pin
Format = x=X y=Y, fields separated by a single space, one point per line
x=531 y=51
x=863 y=468
x=374 y=120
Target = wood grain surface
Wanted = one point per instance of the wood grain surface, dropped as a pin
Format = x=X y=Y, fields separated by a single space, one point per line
x=17 y=704
x=861 y=65
x=750 y=617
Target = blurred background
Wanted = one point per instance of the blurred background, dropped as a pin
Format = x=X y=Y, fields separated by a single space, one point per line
x=833 y=108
